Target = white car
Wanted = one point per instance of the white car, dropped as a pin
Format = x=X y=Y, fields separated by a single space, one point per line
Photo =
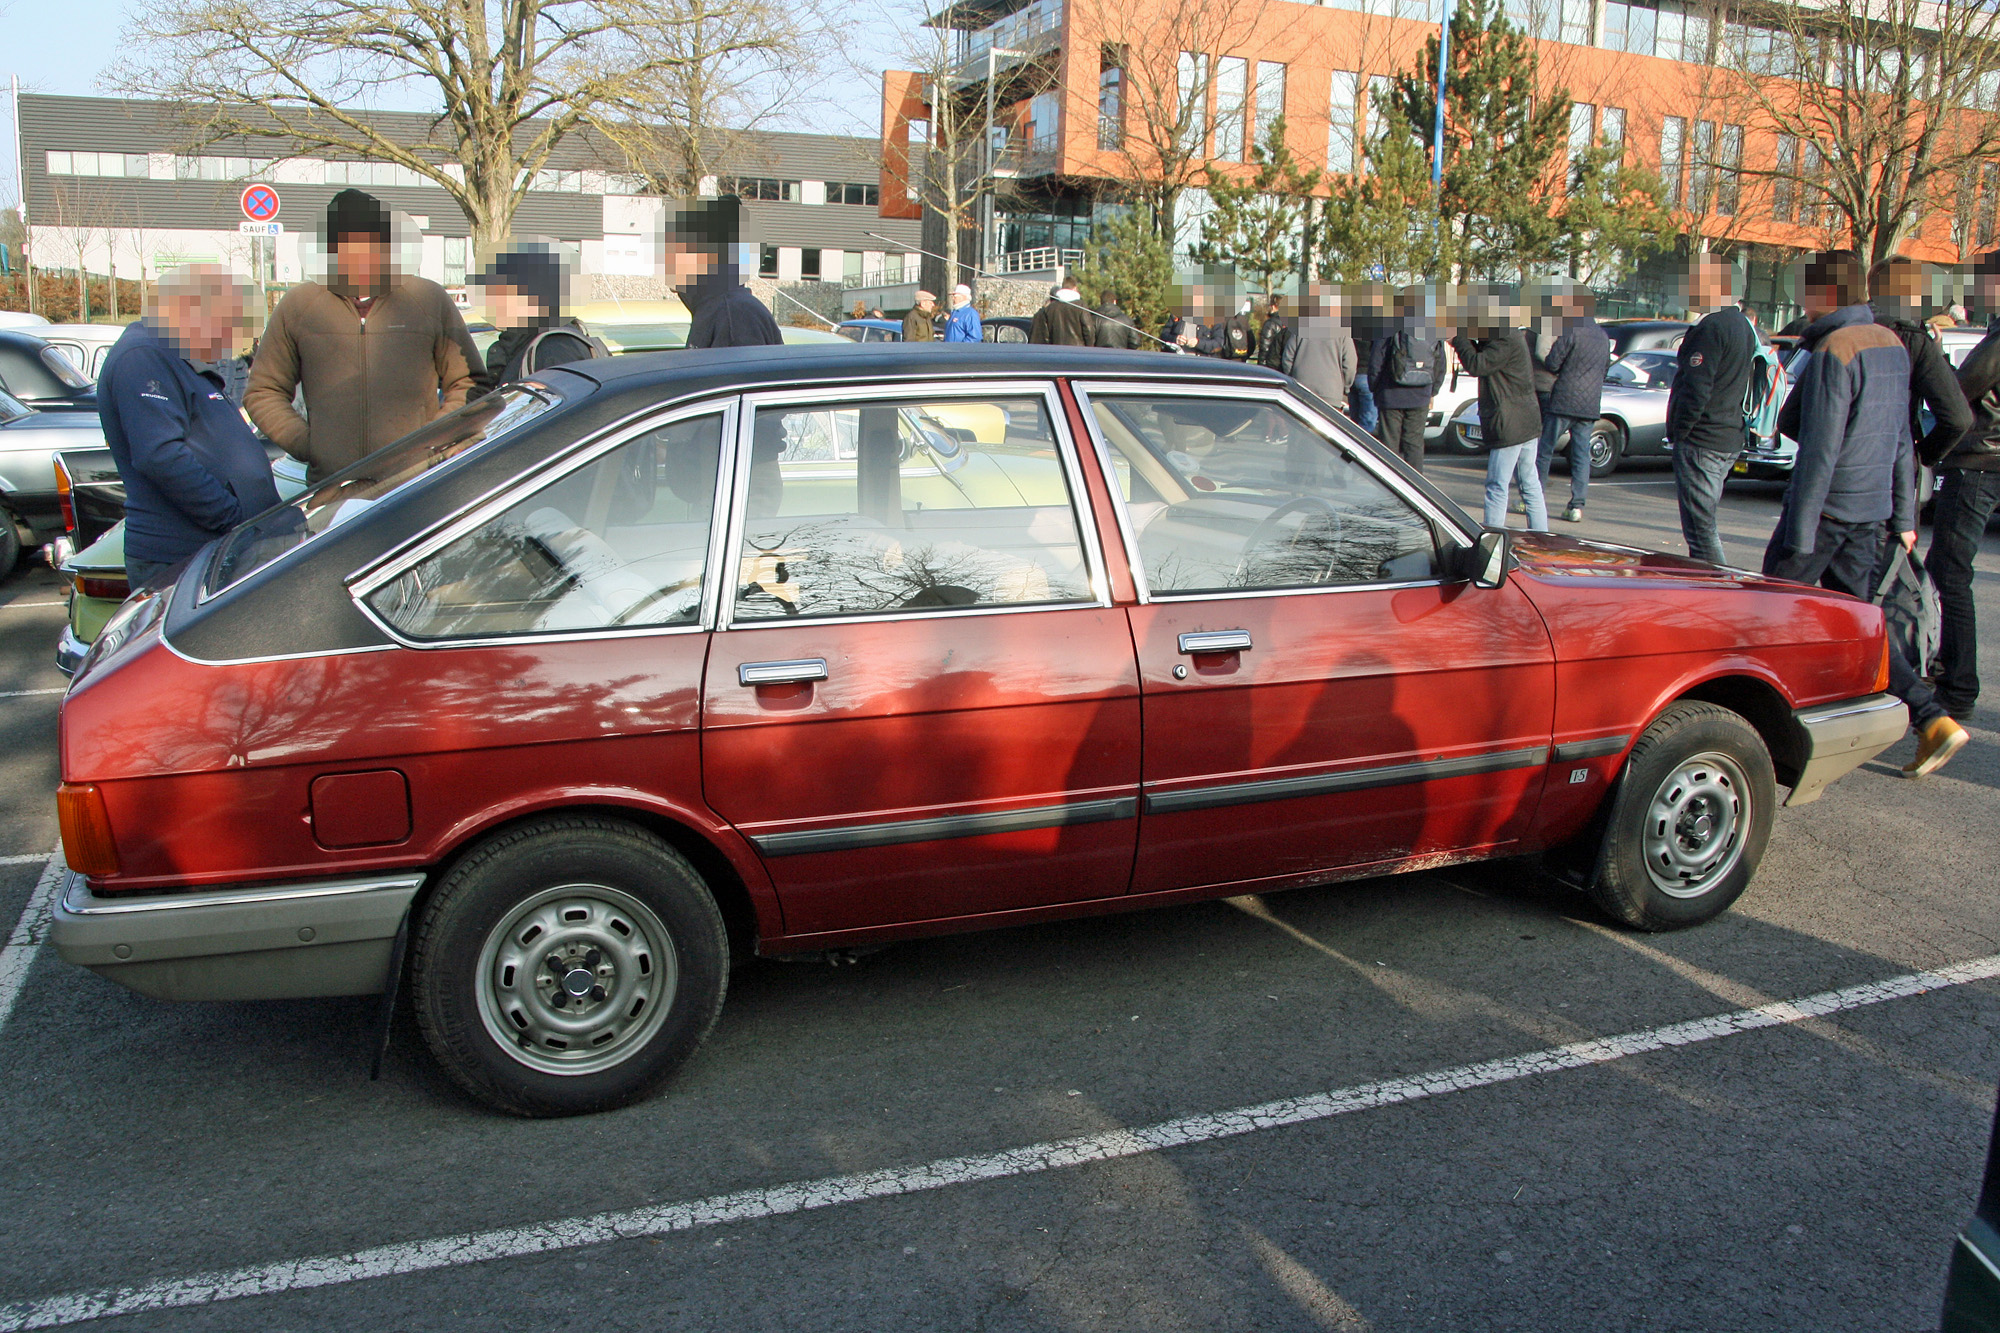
x=86 y=345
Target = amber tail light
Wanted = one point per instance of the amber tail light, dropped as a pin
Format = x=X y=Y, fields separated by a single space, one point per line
x=1882 y=671
x=63 y=487
x=86 y=829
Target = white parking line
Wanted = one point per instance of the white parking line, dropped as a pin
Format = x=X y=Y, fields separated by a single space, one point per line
x=10 y=606
x=35 y=857
x=802 y=1196
x=29 y=932
x=22 y=694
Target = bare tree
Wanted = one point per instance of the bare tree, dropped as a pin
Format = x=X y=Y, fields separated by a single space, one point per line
x=79 y=222
x=1879 y=108
x=513 y=79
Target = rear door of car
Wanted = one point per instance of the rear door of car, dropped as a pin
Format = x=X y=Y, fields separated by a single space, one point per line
x=1318 y=694
x=921 y=703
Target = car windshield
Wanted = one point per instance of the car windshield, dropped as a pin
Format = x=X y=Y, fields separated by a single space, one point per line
x=350 y=492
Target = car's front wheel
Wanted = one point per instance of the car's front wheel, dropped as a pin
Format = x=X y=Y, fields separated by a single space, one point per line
x=1607 y=447
x=568 y=965
x=1690 y=819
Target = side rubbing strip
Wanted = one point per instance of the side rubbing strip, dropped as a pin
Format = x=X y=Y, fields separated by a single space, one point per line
x=1353 y=779
x=948 y=826
x=1597 y=749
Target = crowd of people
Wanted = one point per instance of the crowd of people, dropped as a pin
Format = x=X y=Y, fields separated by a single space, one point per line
x=346 y=366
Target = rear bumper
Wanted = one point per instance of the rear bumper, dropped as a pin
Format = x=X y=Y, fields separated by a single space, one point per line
x=268 y=942
x=1840 y=737
x=70 y=651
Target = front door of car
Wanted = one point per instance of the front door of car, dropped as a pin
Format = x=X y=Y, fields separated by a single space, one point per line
x=922 y=704
x=1317 y=694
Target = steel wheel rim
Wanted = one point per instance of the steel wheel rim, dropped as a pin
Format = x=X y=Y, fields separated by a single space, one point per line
x=1695 y=825
x=576 y=978
x=1600 y=448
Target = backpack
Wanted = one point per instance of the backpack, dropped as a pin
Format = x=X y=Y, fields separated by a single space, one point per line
x=1410 y=362
x=1910 y=610
x=530 y=359
x=1764 y=395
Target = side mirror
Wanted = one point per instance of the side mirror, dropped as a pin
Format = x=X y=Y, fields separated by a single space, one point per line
x=1492 y=555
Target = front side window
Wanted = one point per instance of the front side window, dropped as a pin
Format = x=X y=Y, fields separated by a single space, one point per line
x=1232 y=495
x=618 y=543
x=907 y=506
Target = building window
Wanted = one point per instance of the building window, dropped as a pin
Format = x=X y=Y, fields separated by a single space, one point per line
x=1701 y=174
x=1111 y=109
x=758 y=187
x=1381 y=100
x=1630 y=27
x=1340 y=113
x=1582 y=127
x=1232 y=74
x=1729 y=170
x=1784 y=186
x=1044 y=122
x=1673 y=158
x=1192 y=85
x=809 y=265
x=1576 y=19
x=1681 y=31
x=1270 y=98
x=456 y=251
x=1611 y=132
x=1987 y=199
x=853 y=193
x=767 y=261
x=76 y=163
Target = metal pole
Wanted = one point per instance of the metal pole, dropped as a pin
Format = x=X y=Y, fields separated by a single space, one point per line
x=1437 y=130
x=21 y=191
x=986 y=201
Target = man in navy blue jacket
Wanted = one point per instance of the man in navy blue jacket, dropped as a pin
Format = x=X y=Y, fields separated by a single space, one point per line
x=1850 y=412
x=192 y=468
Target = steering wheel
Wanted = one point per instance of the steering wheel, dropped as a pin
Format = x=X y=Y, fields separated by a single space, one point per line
x=1267 y=528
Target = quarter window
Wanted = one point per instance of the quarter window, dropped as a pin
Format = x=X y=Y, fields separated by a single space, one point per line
x=907 y=506
x=619 y=543
x=1228 y=495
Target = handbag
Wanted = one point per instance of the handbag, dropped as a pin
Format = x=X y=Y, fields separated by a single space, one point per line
x=1911 y=612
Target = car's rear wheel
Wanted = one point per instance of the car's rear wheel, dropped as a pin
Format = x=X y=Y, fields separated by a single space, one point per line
x=567 y=966
x=1607 y=447
x=1690 y=820
x=10 y=541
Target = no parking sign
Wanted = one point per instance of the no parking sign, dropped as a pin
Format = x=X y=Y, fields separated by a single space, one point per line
x=260 y=203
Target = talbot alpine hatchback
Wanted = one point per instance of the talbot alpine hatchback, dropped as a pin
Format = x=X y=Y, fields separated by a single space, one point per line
x=548 y=710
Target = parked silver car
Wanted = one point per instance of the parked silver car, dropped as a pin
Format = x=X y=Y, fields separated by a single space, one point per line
x=1632 y=420
x=30 y=508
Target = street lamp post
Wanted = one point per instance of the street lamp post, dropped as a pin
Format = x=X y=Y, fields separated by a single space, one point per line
x=1437 y=128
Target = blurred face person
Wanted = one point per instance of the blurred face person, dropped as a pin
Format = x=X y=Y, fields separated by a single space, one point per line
x=1902 y=289
x=511 y=308
x=687 y=262
x=362 y=259
x=203 y=321
x=961 y=296
x=1708 y=285
x=1986 y=286
x=926 y=302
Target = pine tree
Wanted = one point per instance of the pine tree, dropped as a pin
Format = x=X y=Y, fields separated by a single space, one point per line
x=1615 y=216
x=1502 y=139
x=1128 y=258
x=1256 y=225
x=1381 y=224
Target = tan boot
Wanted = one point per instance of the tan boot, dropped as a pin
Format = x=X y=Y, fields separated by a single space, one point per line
x=1937 y=740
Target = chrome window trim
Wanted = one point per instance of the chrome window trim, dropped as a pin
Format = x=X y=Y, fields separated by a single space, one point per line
x=1446 y=526
x=923 y=390
x=204 y=595
x=407 y=557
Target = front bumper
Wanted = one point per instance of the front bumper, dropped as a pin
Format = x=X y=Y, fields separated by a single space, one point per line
x=1842 y=736
x=268 y=942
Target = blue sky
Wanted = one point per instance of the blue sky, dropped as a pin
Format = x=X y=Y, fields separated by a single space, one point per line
x=66 y=49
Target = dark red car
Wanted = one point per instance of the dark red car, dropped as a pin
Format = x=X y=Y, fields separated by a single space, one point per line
x=584 y=686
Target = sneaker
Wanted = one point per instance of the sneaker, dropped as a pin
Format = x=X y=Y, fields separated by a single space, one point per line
x=1937 y=741
x=1573 y=514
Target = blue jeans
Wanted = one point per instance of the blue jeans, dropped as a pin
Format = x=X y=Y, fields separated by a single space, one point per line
x=1511 y=465
x=1698 y=478
x=1363 y=400
x=1578 y=430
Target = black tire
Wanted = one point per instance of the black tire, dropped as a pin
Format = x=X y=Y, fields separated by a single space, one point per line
x=1607 y=447
x=1695 y=760
x=1455 y=441
x=10 y=542
x=602 y=891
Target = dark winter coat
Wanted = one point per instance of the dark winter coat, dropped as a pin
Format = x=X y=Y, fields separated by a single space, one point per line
x=727 y=314
x=1401 y=397
x=1933 y=384
x=1206 y=343
x=1115 y=329
x=1508 y=412
x=506 y=358
x=192 y=469
x=1239 y=339
x=1275 y=342
x=1979 y=378
x=1705 y=404
x=1063 y=324
x=1849 y=410
x=1578 y=359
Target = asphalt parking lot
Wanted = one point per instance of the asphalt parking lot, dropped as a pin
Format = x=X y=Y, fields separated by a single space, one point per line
x=1046 y=1128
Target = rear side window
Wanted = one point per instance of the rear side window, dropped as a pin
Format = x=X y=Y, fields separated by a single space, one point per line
x=907 y=506
x=620 y=542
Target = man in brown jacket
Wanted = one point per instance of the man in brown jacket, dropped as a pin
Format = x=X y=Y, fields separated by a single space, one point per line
x=378 y=353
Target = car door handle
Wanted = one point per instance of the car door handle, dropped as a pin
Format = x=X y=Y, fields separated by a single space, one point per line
x=781 y=673
x=1216 y=641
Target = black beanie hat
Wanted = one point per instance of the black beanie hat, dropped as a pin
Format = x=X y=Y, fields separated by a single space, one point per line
x=353 y=213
